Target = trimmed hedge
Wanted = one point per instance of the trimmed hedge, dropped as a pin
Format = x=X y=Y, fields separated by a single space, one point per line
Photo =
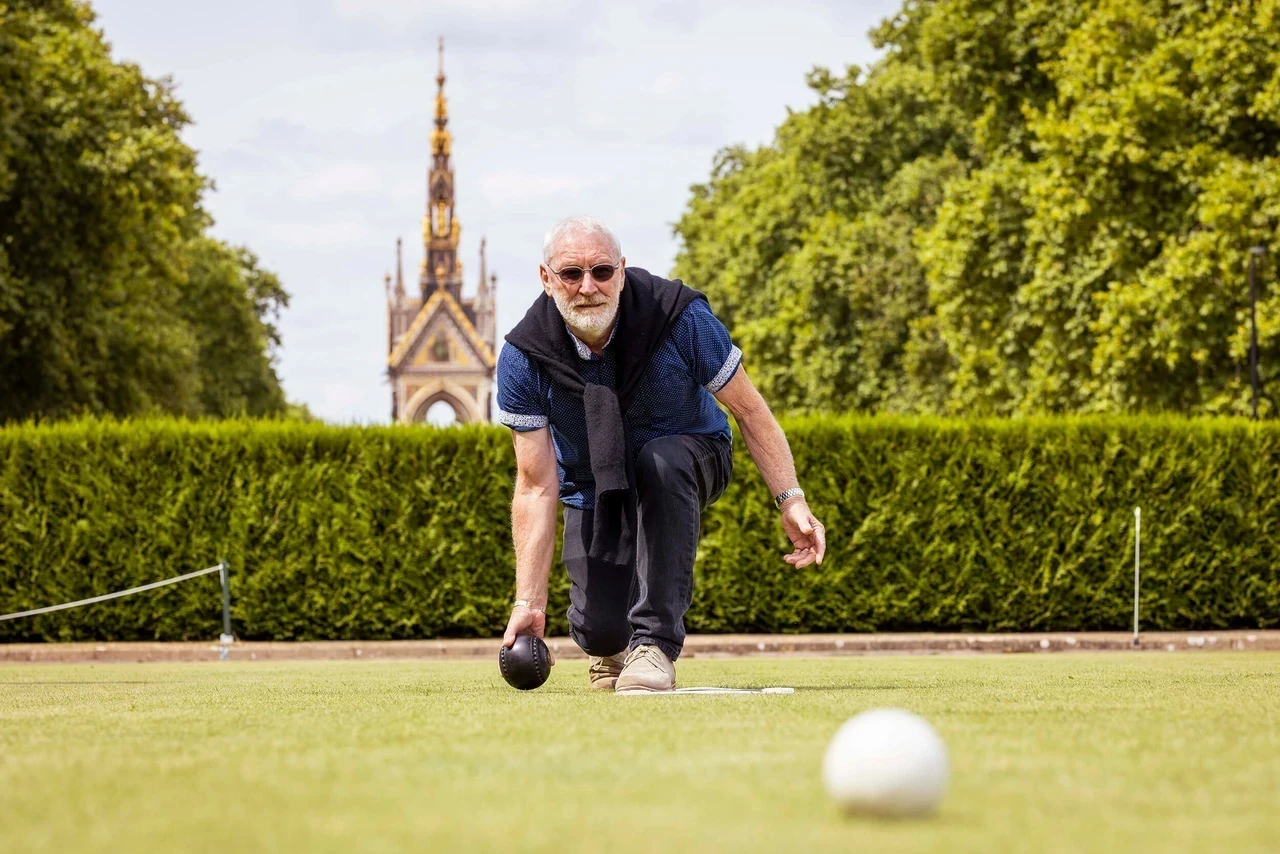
x=396 y=532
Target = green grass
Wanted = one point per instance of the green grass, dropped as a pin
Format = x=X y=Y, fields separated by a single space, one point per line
x=1119 y=752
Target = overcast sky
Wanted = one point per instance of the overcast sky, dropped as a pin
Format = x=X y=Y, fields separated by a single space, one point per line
x=312 y=119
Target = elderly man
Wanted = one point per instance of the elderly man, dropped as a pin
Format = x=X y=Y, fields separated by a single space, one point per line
x=609 y=384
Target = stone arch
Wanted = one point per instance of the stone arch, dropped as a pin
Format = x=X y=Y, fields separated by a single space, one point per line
x=428 y=408
x=464 y=407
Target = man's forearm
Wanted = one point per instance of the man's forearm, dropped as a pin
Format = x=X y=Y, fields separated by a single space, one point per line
x=533 y=528
x=768 y=446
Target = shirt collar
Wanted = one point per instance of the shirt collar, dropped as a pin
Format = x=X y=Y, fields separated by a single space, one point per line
x=583 y=350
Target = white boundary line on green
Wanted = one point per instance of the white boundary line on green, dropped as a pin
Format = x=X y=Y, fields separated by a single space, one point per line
x=107 y=596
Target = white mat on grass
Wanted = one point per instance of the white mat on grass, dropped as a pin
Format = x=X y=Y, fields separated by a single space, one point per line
x=713 y=691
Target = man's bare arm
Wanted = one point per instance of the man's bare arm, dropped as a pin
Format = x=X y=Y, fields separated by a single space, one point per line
x=533 y=528
x=760 y=430
x=533 y=513
x=768 y=446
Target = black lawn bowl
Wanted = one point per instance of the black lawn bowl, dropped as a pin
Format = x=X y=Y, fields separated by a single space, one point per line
x=527 y=664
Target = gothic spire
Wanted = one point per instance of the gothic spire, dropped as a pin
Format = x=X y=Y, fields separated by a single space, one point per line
x=440 y=227
x=440 y=137
x=399 y=270
x=484 y=303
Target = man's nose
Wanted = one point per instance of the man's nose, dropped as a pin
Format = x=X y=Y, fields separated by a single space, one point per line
x=588 y=285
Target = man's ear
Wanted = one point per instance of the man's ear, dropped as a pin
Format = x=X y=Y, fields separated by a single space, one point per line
x=545 y=275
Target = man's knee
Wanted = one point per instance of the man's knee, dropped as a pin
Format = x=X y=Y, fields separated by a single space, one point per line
x=608 y=638
x=665 y=461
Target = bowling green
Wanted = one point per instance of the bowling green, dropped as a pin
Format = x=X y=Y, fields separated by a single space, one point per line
x=1050 y=753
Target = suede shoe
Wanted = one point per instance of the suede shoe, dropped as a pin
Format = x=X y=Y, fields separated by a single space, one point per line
x=647 y=668
x=603 y=670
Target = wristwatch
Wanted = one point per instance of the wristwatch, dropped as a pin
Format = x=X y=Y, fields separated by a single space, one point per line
x=784 y=495
x=524 y=603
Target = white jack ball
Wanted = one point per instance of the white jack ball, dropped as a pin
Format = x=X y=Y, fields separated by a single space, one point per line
x=886 y=762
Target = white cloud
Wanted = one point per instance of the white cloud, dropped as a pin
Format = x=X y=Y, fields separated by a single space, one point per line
x=397 y=13
x=347 y=402
x=323 y=235
x=666 y=83
x=338 y=179
x=512 y=186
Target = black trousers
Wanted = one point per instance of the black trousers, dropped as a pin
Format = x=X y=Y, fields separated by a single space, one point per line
x=615 y=608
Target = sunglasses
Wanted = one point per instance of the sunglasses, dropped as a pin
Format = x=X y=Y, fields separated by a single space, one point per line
x=573 y=275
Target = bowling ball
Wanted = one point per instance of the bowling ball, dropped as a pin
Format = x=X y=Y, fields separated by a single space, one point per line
x=526 y=664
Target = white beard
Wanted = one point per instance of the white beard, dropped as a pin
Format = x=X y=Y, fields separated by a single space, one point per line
x=587 y=322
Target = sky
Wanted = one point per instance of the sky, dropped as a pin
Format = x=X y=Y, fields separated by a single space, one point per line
x=311 y=118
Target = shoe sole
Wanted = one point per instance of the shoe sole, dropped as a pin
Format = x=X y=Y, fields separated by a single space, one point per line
x=606 y=684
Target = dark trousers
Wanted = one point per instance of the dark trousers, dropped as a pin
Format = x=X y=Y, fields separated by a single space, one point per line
x=614 y=608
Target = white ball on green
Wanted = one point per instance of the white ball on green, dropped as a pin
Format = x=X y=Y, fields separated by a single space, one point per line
x=886 y=762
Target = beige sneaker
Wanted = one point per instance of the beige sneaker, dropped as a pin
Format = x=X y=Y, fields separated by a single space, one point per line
x=647 y=669
x=603 y=671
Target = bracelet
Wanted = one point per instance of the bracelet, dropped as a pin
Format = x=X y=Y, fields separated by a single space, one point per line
x=785 y=494
x=524 y=603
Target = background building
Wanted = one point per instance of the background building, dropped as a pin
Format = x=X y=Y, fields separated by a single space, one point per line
x=441 y=346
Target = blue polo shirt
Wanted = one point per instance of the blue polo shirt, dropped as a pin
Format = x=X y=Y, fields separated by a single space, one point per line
x=674 y=395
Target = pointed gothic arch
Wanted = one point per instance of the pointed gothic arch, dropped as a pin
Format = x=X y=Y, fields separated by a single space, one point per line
x=464 y=407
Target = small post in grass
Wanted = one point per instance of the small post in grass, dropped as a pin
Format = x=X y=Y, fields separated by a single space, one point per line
x=226 y=639
x=1137 y=560
x=1255 y=253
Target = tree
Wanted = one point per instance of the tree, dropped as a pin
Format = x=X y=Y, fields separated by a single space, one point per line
x=231 y=305
x=1089 y=179
x=106 y=270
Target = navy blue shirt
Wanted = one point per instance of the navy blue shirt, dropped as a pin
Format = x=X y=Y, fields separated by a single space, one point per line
x=674 y=396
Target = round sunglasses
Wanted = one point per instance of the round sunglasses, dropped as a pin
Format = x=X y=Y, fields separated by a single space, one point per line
x=574 y=275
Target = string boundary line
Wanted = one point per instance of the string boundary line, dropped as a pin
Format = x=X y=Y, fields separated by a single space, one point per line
x=153 y=585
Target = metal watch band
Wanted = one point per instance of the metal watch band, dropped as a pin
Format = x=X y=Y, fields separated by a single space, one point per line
x=783 y=496
x=524 y=603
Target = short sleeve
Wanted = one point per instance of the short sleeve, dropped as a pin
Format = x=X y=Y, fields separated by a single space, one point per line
x=522 y=399
x=704 y=343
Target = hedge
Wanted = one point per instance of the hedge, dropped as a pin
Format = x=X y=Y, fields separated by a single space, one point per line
x=398 y=532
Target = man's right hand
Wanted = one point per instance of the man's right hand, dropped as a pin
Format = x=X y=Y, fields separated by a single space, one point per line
x=526 y=621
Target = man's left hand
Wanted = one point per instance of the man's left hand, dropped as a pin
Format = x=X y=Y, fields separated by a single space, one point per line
x=806 y=532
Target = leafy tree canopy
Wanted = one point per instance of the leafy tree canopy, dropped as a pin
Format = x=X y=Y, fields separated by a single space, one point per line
x=113 y=297
x=1023 y=206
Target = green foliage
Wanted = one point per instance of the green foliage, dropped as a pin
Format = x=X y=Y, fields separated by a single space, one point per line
x=402 y=532
x=331 y=532
x=1024 y=207
x=112 y=298
x=1005 y=525
x=231 y=304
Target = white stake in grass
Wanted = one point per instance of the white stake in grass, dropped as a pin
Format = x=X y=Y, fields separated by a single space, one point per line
x=1137 y=559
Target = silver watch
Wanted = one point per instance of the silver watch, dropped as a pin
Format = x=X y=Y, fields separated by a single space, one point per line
x=524 y=603
x=784 y=495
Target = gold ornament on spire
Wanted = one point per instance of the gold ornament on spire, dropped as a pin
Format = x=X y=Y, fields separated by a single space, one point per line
x=440 y=226
x=441 y=141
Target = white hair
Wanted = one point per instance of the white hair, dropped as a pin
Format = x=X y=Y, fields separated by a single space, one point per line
x=576 y=225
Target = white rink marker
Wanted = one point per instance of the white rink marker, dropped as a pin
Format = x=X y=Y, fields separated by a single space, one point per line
x=710 y=690
x=1137 y=560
